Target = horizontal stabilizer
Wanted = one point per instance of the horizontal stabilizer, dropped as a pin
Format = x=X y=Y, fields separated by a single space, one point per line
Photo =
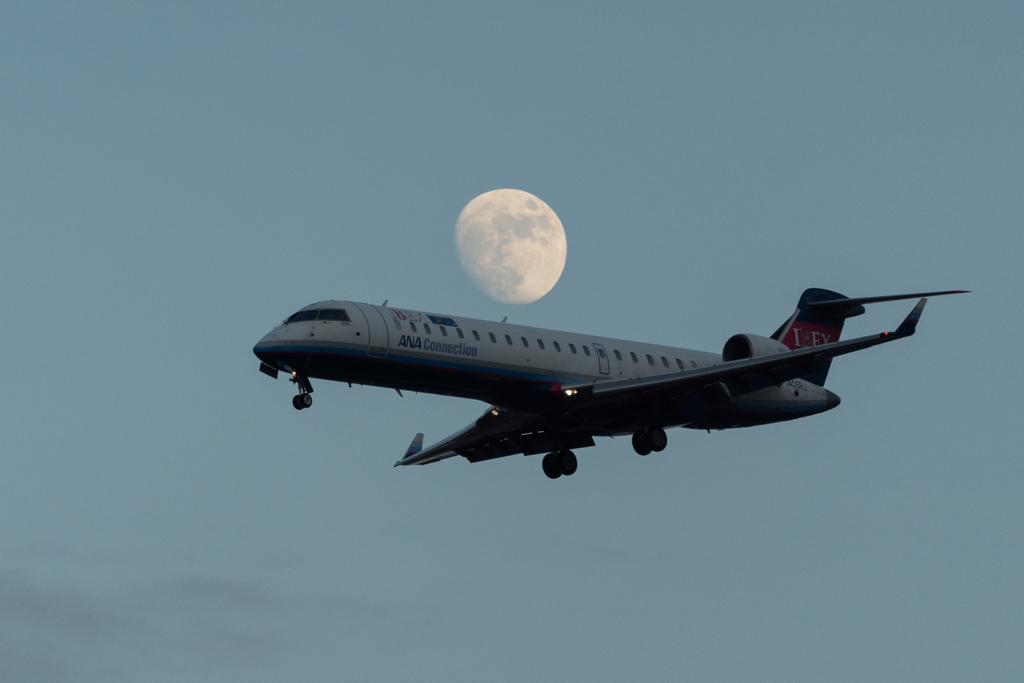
x=839 y=304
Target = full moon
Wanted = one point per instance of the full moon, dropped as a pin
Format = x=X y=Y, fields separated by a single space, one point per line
x=511 y=245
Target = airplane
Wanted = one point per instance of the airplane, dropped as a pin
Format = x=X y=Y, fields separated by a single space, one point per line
x=551 y=392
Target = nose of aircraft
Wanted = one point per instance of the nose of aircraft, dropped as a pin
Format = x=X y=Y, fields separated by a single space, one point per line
x=831 y=400
x=264 y=345
x=269 y=339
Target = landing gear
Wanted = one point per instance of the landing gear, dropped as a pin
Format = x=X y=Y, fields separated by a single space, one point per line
x=640 y=443
x=657 y=438
x=559 y=463
x=551 y=468
x=568 y=461
x=647 y=440
x=303 y=400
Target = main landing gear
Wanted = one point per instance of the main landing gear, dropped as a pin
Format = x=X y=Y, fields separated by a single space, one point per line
x=647 y=440
x=559 y=463
x=303 y=400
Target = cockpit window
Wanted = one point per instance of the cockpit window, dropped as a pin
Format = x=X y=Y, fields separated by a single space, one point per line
x=334 y=314
x=302 y=315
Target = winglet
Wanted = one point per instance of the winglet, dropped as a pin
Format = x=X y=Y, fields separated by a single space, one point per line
x=909 y=325
x=415 y=447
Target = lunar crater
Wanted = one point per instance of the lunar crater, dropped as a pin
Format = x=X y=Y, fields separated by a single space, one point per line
x=511 y=245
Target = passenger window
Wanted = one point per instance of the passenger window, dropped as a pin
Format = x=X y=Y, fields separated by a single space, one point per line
x=444 y=332
x=509 y=340
x=664 y=361
x=458 y=331
x=334 y=314
x=572 y=348
x=633 y=356
x=525 y=343
x=302 y=316
x=600 y=352
x=412 y=326
x=650 y=361
x=586 y=351
x=491 y=335
x=540 y=343
x=618 y=356
x=426 y=328
x=477 y=336
x=557 y=347
x=679 y=363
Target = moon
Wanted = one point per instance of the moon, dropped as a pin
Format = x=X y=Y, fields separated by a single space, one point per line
x=511 y=245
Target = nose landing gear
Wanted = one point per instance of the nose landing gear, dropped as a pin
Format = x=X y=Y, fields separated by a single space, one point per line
x=303 y=400
x=647 y=440
x=559 y=463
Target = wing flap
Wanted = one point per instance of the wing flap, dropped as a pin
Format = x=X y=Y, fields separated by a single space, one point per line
x=527 y=444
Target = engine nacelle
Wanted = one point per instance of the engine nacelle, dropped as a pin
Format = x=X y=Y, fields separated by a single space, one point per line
x=743 y=346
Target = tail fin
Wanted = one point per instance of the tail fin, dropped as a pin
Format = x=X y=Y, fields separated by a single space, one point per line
x=820 y=315
x=810 y=327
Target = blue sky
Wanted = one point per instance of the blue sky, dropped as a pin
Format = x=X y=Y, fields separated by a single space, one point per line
x=176 y=180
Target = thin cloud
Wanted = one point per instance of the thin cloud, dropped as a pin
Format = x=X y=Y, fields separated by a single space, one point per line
x=175 y=628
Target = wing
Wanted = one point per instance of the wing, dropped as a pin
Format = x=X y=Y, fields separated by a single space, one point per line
x=719 y=382
x=500 y=431
x=495 y=434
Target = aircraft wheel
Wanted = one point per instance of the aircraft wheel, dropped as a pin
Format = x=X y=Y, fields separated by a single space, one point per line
x=306 y=400
x=640 y=443
x=297 y=402
x=551 y=466
x=657 y=438
x=567 y=460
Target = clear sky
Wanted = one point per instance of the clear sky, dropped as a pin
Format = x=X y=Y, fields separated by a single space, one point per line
x=175 y=180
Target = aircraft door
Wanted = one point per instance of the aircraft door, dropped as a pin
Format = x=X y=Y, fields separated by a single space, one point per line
x=602 y=359
x=378 y=338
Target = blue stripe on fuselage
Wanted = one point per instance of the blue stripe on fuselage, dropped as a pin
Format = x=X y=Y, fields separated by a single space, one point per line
x=394 y=357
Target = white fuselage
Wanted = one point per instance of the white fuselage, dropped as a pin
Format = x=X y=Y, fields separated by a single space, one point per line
x=500 y=363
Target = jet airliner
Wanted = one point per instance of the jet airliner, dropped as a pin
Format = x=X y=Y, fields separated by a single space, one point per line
x=551 y=392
